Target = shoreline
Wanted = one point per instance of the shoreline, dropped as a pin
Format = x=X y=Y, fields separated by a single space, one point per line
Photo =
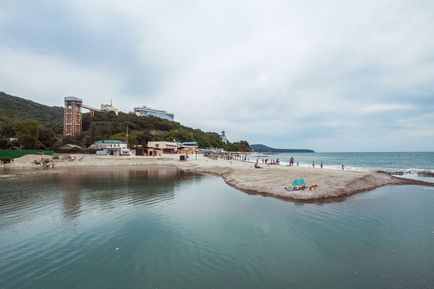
x=270 y=181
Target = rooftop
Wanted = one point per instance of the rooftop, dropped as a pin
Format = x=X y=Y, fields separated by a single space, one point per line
x=189 y=143
x=73 y=98
x=110 y=142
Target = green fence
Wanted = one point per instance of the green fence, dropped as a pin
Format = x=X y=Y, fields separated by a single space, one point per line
x=19 y=153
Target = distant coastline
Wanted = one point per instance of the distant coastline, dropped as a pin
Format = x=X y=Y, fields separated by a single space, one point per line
x=261 y=148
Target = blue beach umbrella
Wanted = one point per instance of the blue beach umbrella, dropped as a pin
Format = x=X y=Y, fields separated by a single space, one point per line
x=298 y=182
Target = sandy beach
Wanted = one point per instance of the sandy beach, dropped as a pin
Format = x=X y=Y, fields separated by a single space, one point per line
x=270 y=180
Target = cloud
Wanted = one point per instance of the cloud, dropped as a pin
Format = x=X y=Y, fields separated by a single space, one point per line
x=49 y=79
x=322 y=75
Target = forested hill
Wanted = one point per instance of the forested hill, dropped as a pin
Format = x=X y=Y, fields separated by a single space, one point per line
x=20 y=108
x=260 y=148
x=40 y=126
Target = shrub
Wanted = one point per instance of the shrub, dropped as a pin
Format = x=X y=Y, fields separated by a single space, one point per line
x=5 y=160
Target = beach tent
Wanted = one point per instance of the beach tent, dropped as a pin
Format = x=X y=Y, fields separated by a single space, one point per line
x=298 y=182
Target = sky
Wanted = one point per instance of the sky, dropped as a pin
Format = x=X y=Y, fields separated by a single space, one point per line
x=325 y=75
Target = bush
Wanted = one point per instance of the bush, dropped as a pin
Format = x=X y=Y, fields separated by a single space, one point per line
x=5 y=160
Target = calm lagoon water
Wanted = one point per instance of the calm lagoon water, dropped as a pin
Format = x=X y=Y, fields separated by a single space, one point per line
x=163 y=228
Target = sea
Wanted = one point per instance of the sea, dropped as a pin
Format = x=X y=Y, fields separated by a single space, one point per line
x=166 y=228
x=414 y=165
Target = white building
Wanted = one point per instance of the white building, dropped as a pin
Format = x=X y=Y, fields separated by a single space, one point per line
x=109 y=107
x=110 y=147
x=147 y=111
x=223 y=137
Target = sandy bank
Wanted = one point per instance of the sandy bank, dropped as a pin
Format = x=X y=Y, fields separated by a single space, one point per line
x=271 y=180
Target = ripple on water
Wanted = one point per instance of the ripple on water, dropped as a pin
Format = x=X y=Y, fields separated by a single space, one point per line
x=204 y=234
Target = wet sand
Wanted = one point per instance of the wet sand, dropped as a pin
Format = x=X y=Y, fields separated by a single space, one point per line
x=271 y=180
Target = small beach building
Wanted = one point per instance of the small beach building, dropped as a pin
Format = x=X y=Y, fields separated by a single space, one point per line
x=140 y=151
x=110 y=147
x=165 y=146
x=189 y=147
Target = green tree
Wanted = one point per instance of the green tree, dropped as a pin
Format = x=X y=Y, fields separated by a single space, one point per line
x=4 y=143
x=122 y=136
x=87 y=141
x=47 y=138
x=27 y=131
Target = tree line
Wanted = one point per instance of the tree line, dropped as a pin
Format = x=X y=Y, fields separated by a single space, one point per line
x=33 y=134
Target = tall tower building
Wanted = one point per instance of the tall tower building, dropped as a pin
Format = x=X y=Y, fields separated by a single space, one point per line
x=72 y=116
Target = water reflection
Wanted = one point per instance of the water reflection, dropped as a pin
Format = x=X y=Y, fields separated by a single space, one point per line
x=71 y=197
x=163 y=228
x=33 y=194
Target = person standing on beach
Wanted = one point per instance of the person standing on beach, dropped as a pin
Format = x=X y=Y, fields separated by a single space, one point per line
x=342 y=166
x=313 y=164
x=321 y=165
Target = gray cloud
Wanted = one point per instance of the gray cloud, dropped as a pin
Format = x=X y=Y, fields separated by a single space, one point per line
x=324 y=75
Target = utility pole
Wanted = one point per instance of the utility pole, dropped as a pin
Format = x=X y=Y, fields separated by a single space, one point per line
x=127 y=135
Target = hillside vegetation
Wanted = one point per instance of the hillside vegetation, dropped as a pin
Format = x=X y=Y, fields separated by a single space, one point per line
x=260 y=148
x=38 y=126
x=20 y=108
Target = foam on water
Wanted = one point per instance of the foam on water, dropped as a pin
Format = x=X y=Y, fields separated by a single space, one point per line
x=407 y=165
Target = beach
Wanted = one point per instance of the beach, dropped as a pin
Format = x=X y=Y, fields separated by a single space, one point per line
x=270 y=180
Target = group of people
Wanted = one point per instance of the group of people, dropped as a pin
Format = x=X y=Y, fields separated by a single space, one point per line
x=269 y=162
x=291 y=163
x=265 y=161
x=322 y=165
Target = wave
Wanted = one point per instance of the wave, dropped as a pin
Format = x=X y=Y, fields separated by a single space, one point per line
x=409 y=172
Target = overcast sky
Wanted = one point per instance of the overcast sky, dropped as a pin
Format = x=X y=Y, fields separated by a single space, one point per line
x=325 y=75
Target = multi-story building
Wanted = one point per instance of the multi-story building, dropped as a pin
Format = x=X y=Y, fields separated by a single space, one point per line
x=146 y=111
x=109 y=108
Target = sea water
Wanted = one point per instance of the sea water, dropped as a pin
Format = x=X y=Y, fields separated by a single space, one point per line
x=164 y=228
x=408 y=164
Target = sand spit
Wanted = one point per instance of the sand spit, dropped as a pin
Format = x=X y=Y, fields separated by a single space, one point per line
x=333 y=185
